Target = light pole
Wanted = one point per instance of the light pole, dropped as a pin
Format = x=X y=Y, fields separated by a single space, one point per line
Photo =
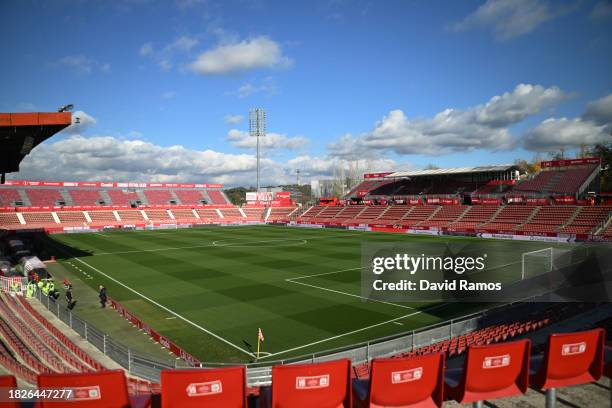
x=257 y=128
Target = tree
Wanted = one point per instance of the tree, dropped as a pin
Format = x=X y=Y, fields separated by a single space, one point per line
x=604 y=152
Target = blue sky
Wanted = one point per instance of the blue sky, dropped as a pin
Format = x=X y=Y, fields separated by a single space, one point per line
x=160 y=86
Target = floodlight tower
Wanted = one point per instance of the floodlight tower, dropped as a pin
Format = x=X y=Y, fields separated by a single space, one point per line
x=257 y=128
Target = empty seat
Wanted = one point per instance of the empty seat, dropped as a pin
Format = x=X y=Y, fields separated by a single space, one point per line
x=569 y=359
x=322 y=385
x=6 y=382
x=223 y=387
x=403 y=382
x=103 y=389
x=491 y=371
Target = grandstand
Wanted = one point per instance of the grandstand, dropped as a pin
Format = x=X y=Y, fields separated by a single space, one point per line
x=33 y=349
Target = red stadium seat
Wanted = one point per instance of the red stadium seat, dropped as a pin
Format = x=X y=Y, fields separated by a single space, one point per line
x=491 y=371
x=103 y=389
x=224 y=387
x=6 y=382
x=569 y=359
x=322 y=385
x=403 y=383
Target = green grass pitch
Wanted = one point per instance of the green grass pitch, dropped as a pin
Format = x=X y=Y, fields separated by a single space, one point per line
x=209 y=289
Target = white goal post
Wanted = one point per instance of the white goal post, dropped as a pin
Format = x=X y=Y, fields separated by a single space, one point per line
x=546 y=260
x=537 y=262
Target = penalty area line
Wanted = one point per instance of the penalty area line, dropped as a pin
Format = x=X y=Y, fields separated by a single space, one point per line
x=216 y=336
x=355 y=331
x=351 y=294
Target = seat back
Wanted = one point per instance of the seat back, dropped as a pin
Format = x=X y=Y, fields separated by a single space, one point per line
x=495 y=371
x=6 y=382
x=103 y=389
x=223 y=387
x=406 y=382
x=321 y=385
x=572 y=359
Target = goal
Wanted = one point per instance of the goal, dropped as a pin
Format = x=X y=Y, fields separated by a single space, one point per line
x=538 y=262
x=546 y=260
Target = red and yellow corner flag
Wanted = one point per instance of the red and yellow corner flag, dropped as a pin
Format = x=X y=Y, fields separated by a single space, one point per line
x=260 y=339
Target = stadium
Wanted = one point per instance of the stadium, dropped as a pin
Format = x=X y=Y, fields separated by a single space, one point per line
x=199 y=276
x=135 y=273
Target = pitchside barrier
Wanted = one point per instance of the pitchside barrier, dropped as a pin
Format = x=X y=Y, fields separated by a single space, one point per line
x=259 y=372
x=14 y=285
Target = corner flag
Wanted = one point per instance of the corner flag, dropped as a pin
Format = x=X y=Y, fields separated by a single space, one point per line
x=260 y=339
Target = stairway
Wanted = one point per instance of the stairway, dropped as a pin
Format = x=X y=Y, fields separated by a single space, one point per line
x=142 y=197
x=24 y=197
x=175 y=197
x=105 y=197
x=552 y=182
x=66 y=196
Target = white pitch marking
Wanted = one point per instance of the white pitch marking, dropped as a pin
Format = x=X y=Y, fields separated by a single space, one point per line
x=356 y=331
x=166 y=309
x=170 y=318
x=206 y=245
x=324 y=273
x=351 y=294
x=249 y=244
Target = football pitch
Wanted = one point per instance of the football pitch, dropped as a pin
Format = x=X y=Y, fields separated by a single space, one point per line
x=209 y=289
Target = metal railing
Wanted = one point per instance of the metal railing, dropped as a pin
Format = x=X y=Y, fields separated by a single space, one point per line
x=259 y=372
x=134 y=362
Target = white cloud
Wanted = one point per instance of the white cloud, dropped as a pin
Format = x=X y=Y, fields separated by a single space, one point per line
x=186 y=4
x=594 y=126
x=602 y=10
x=146 y=49
x=600 y=111
x=452 y=130
x=81 y=121
x=113 y=159
x=508 y=18
x=169 y=95
x=259 y=52
x=165 y=56
x=266 y=87
x=233 y=119
x=556 y=134
x=83 y=64
x=272 y=141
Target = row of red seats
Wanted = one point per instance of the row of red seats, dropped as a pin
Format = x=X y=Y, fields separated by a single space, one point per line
x=44 y=336
x=59 y=336
x=40 y=197
x=489 y=372
x=487 y=335
x=32 y=343
x=480 y=217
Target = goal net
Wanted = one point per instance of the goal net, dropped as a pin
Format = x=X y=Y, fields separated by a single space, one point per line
x=546 y=260
x=538 y=262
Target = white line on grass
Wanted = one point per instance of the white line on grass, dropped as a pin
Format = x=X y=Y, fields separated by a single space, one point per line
x=355 y=331
x=293 y=280
x=210 y=245
x=350 y=294
x=167 y=310
x=324 y=273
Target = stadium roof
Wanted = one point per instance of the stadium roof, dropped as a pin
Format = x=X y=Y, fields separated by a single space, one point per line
x=454 y=170
x=21 y=132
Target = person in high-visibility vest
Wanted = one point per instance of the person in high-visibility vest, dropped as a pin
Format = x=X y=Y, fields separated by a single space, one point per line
x=45 y=288
x=41 y=285
x=15 y=286
x=30 y=290
x=53 y=294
